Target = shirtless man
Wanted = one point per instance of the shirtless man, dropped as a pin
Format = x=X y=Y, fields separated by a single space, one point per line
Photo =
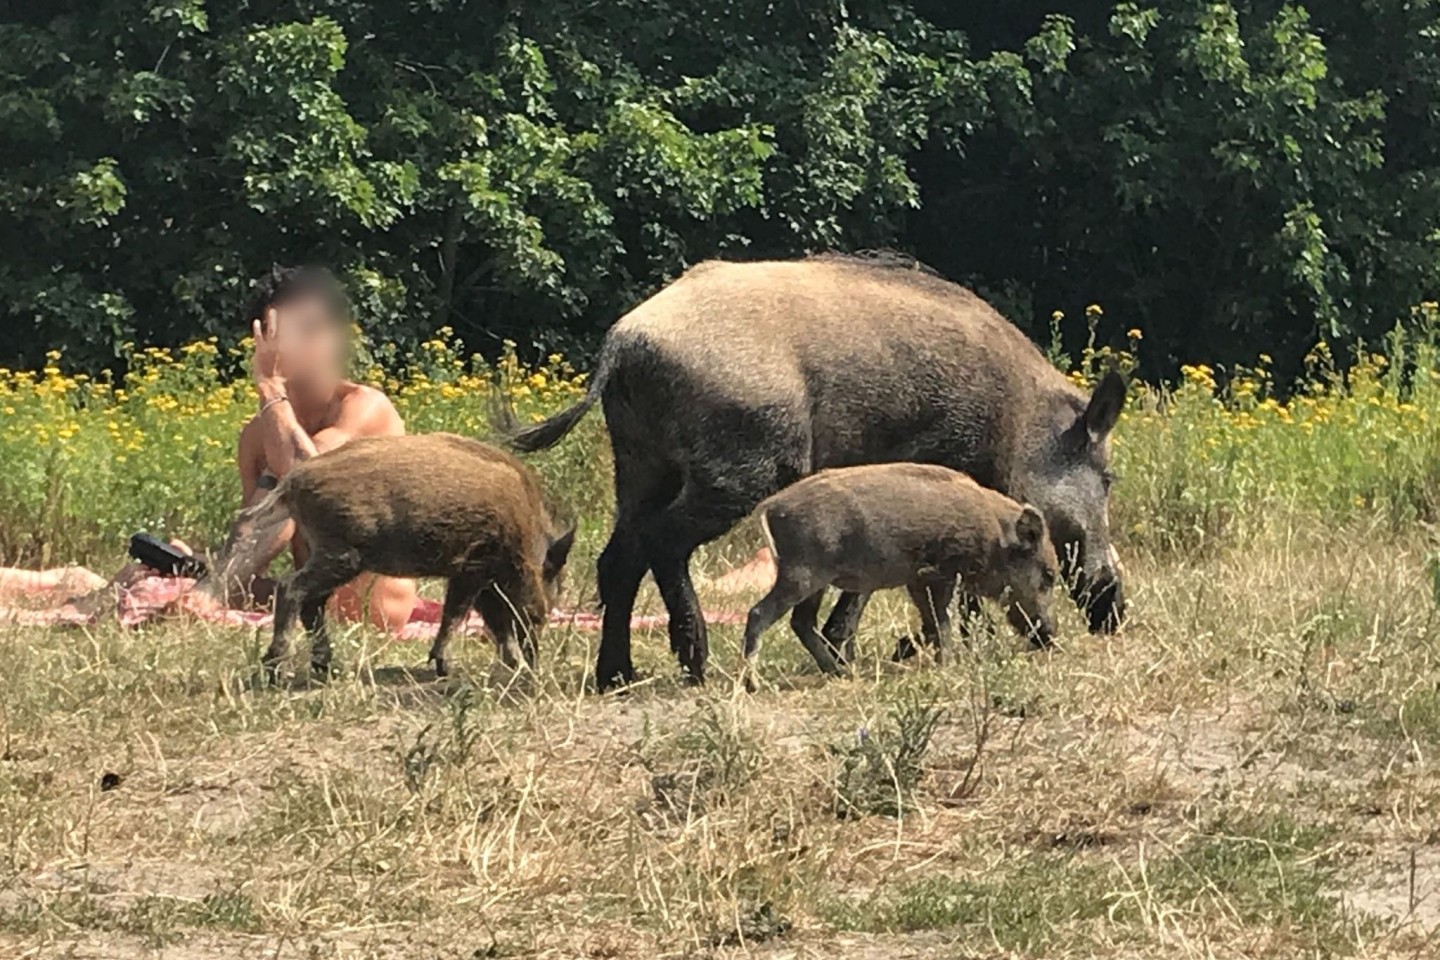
x=300 y=319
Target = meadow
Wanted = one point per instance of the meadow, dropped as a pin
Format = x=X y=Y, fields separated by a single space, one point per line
x=1247 y=771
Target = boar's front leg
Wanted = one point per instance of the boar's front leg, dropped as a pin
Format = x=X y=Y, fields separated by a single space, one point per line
x=933 y=597
x=971 y=612
x=513 y=622
x=460 y=594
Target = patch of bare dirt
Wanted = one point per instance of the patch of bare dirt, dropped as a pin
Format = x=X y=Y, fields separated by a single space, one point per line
x=1399 y=884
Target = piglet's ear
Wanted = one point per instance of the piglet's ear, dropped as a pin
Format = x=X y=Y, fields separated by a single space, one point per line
x=1105 y=405
x=1029 y=529
x=558 y=552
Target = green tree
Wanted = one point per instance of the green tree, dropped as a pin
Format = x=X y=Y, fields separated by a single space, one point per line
x=1230 y=176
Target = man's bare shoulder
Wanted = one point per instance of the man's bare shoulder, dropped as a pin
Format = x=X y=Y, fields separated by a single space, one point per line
x=352 y=392
x=369 y=410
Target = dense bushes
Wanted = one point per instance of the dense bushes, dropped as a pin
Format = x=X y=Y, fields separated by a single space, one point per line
x=1235 y=177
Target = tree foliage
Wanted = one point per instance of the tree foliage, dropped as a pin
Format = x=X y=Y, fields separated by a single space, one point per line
x=1229 y=176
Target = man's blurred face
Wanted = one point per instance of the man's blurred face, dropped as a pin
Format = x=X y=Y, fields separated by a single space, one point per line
x=314 y=346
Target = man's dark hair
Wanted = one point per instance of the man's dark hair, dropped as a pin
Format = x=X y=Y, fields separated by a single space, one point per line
x=280 y=285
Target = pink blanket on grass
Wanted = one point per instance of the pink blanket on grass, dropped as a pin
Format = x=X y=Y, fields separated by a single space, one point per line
x=155 y=597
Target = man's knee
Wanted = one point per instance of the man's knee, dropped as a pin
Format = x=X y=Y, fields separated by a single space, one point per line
x=384 y=602
x=391 y=603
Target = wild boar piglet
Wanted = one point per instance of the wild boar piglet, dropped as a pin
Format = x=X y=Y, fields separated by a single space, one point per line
x=434 y=505
x=909 y=525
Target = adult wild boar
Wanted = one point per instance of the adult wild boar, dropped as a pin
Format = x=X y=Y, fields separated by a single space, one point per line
x=915 y=525
x=740 y=378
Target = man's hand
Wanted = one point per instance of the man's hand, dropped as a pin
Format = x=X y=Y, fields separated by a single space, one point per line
x=269 y=373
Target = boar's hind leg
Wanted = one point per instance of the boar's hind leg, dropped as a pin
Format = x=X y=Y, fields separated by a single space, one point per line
x=285 y=610
x=689 y=640
x=460 y=594
x=309 y=590
x=312 y=618
x=621 y=567
x=803 y=622
x=294 y=596
x=702 y=512
x=762 y=617
x=789 y=591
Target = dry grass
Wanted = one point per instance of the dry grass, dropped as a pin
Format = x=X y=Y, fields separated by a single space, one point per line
x=1248 y=772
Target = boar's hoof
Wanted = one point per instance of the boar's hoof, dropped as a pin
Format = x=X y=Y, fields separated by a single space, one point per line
x=442 y=668
x=905 y=649
x=617 y=682
x=323 y=670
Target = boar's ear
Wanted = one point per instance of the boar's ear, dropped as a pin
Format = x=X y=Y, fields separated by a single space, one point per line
x=1029 y=529
x=558 y=552
x=1105 y=405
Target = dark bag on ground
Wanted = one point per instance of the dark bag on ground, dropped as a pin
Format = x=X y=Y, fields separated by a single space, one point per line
x=159 y=555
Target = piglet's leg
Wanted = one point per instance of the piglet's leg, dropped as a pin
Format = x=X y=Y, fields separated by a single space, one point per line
x=506 y=625
x=843 y=623
x=790 y=589
x=460 y=594
x=286 y=609
x=803 y=622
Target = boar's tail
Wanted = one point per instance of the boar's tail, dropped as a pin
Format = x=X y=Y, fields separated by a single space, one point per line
x=251 y=544
x=763 y=512
x=547 y=433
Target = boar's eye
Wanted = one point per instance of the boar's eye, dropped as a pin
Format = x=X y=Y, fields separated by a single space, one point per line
x=1047 y=580
x=1107 y=479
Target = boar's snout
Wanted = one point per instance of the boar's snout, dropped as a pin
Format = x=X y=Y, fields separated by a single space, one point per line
x=1101 y=595
x=557 y=553
x=1041 y=631
x=1036 y=624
